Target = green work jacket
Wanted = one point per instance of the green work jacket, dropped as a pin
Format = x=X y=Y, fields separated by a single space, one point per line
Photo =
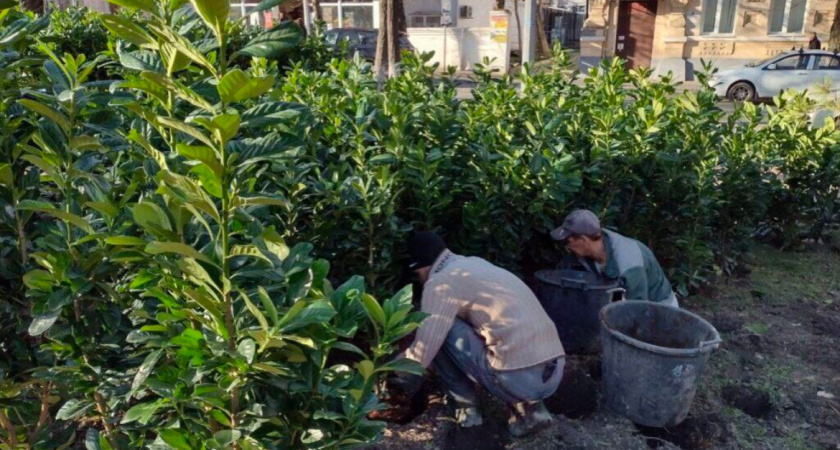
x=637 y=270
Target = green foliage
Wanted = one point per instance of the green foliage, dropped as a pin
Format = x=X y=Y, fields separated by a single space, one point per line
x=166 y=236
x=154 y=305
x=77 y=30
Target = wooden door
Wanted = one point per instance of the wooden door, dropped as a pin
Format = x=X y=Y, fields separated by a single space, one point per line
x=634 y=36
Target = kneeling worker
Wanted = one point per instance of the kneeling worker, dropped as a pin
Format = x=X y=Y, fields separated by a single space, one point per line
x=485 y=327
x=615 y=257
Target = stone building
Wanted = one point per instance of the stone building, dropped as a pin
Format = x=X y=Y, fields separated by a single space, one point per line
x=676 y=34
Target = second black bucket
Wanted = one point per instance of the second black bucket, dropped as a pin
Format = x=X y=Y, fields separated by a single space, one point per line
x=572 y=299
x=653 y=358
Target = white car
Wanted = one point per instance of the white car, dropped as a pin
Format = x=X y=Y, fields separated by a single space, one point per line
x=798 y=70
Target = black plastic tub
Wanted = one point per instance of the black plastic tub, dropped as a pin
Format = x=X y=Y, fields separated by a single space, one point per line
x=572 y=300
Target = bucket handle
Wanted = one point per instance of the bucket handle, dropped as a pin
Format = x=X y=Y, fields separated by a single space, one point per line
x=712 y=343
x=616 y=294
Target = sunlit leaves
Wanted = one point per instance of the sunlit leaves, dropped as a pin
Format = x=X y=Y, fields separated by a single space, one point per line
x=275 y=42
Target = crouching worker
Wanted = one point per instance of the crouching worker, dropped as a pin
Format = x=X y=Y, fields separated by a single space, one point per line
x=615 y=257
x=485 y=327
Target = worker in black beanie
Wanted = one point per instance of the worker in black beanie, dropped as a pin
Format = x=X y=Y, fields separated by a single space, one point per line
x=424 y=247
x=484 y=328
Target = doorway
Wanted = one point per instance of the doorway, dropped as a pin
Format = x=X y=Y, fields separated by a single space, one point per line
x=634 y=34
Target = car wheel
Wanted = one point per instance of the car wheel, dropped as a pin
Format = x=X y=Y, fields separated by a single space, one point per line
x=742 y=92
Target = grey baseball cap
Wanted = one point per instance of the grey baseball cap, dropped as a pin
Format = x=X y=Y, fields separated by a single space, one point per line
x=580 y=221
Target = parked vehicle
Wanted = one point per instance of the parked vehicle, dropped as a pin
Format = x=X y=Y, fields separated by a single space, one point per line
x=799 y=70
x=361 y=41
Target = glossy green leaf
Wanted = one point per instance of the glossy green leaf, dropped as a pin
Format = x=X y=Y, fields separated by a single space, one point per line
x=128 y=30
x=214 y=12
x=319 y=311
x=209 y=180
x=374 y=310
x=247 y=348
x=156 y=248
x=125 y=240
x=40 y=324
x=255 y=312
x=182 y=45
x=366 y=368
x=201 y=153
x=151 y=217
x=73 y=409
x=187 y=129
x=48 y=112
x=273 y=43
x=142 y=412
x=141 y=60
x=38 y=279
x=177 y=439
x=271 y=113
x=33 y=205
x=144 y=371
x=237 y=85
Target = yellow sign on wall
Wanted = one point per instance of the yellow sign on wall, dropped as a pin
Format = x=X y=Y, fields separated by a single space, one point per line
x=499 y=26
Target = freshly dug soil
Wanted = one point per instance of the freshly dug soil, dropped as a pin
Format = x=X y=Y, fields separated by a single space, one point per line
x=578 y=395
x=695 y=433
x=752 y=401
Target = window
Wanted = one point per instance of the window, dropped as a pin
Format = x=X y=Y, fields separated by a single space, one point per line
x=796 y=62
x=349 y=14
x=827 y=62
x=787 y=16
x=421 y=20
x=238 y=10
x=719 y=16
x=357 y=17
x=465 y=12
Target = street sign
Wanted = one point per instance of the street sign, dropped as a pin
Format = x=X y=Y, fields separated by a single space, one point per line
x=446 y=12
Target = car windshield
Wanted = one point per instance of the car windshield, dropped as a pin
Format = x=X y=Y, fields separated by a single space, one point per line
x=763 y=61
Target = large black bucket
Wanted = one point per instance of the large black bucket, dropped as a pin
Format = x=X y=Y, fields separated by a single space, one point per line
x=572 y=300
x=653 y=358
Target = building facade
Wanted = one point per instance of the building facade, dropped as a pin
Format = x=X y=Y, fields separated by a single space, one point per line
x=461 y=33
x=676 y=34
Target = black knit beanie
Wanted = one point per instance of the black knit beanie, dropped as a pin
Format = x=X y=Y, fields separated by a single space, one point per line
x=423 y=249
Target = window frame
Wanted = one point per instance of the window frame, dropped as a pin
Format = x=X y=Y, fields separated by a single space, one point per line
x=786 y=19
x=816 y=60
x=340 y=4
x=718 y=12
x=808 y=63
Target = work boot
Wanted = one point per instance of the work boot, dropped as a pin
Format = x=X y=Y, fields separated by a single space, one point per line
x=468 y=417
x=527 y=418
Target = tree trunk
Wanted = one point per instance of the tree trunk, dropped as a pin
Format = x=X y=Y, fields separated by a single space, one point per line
x=387 y=42
x=33 y=5
x=834 y=40
x=518 y=27
x=545 y=49
x=381 y=42
x=393 y=39
x=399 y=18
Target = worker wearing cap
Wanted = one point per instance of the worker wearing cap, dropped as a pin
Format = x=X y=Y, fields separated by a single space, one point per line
x=615 y=257
x=485 y=327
